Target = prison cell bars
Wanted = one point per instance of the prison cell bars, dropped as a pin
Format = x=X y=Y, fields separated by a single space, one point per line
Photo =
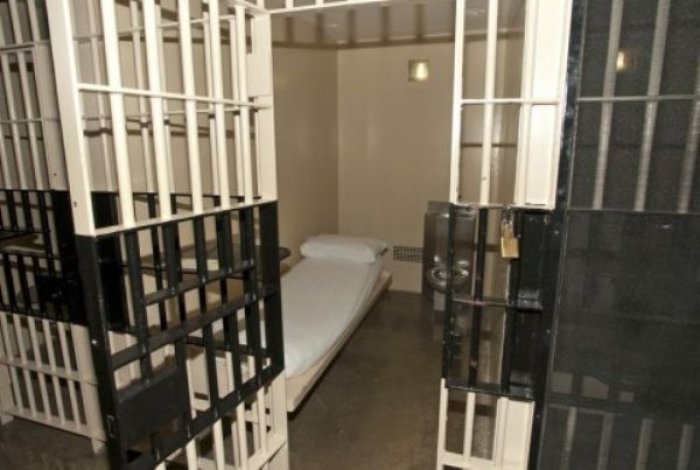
x=270 y=438
x=542 y=93
x=651 y=100
x=40 y=380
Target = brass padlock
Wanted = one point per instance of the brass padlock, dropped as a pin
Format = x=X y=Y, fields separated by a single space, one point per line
x=510 y=247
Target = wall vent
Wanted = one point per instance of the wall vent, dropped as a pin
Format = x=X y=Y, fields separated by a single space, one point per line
x=408 y=254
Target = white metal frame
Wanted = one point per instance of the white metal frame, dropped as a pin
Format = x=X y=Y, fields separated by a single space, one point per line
x=250 y=104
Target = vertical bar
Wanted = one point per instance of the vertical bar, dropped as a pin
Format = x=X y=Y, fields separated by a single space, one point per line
x=569 y=435
x=235 y=67
x=97 y=76
x=242 y=435
x=141 y=84
x=192 y=133
x=214 y=159
x=532 y=12
x=19 y=336
x=490 y=84
x=243 y=96
x=605 y=441
x=36 y=352
x=164 y=85
x=68 y=367
x=116 y=100
x=219 y=456
x=500 y=431
x=9 y=353
x=4 y=160
x=469 y=426
x=475 y=333
x=606 y=112
x=12 y=114
x=457 y=85
x=685 y=447
x=691 y=150
x=155 y=86
x=65 y=70
x=218 y=92
x=58 y=394
x=39 y=176
x=657 y=65
x=645 y=436
x=133 y=256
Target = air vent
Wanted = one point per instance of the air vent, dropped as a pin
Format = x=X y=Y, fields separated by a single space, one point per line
x=408 y=254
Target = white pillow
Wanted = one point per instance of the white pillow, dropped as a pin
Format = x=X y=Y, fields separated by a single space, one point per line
x=358 y=249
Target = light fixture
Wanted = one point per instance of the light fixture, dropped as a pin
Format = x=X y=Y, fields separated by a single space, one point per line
x=418 y=71
x=626 y=60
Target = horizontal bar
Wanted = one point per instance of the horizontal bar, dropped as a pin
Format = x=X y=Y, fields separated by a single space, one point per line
x=96 y=88
x=46 y=370
x=632 y=98
x=116 y=229
x=493 y=389
x=532 y=101
x=521 y=306
x=183 y=330
x=195 y=282
x=22 y=46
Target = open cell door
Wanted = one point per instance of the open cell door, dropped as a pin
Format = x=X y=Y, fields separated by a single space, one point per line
x=166 y=111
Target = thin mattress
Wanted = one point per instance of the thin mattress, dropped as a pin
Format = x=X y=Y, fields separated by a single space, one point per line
x=320 y=298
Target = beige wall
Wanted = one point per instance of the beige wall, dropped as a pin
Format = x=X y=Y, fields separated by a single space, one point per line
x=306 y=120
x=394 y=145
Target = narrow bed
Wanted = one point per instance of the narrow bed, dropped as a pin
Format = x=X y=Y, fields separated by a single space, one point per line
x=324 y=298
x=323 y=302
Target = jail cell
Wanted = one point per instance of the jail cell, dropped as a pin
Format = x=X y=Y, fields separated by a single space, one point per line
x=506 y=133
x=45 y=374
x=166 y=114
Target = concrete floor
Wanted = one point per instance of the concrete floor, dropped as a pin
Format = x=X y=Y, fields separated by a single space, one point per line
x=376 y=407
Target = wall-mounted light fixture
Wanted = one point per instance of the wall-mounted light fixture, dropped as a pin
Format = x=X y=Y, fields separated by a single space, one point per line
x=418 y=70
x=626 y=60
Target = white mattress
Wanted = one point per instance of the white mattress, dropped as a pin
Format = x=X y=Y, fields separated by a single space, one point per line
x=320 y=297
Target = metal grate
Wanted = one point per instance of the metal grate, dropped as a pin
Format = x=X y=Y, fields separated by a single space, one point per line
x=408 y=254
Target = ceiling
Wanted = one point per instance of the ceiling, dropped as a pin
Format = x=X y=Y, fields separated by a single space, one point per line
x=389 y=21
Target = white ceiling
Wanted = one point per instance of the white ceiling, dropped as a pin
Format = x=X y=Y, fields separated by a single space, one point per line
x=397 y=20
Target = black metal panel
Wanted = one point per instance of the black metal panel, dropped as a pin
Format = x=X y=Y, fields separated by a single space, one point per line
x=150 y=416
x=37 y=253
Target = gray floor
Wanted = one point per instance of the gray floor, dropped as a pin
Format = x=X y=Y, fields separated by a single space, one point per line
x=376 y=407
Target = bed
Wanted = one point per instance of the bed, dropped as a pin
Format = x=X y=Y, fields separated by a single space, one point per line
x=323 y=302
x=324 y=298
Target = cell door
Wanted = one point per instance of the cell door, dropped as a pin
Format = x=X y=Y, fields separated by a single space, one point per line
x=166 y=110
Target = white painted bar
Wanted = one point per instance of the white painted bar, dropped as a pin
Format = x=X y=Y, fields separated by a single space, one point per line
x=691 y=149
x=218 y=93
x=240 y=183
x=490 y=87
x=213 y=152
x=141 y=84
x=157 y=121
x=97 y=76
x=36 y=353
x=266 y=157
x=57 y=393
x=19 y=337
x=469 y=426
x=192 y=134
x=9 y=354
x=68 y=367
x=38 y=166
x=14 y=128
x=166 y=114
x=457 y=85
x=606 y=113
x=657 y=64
x=569 y=435
x=243 y=95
